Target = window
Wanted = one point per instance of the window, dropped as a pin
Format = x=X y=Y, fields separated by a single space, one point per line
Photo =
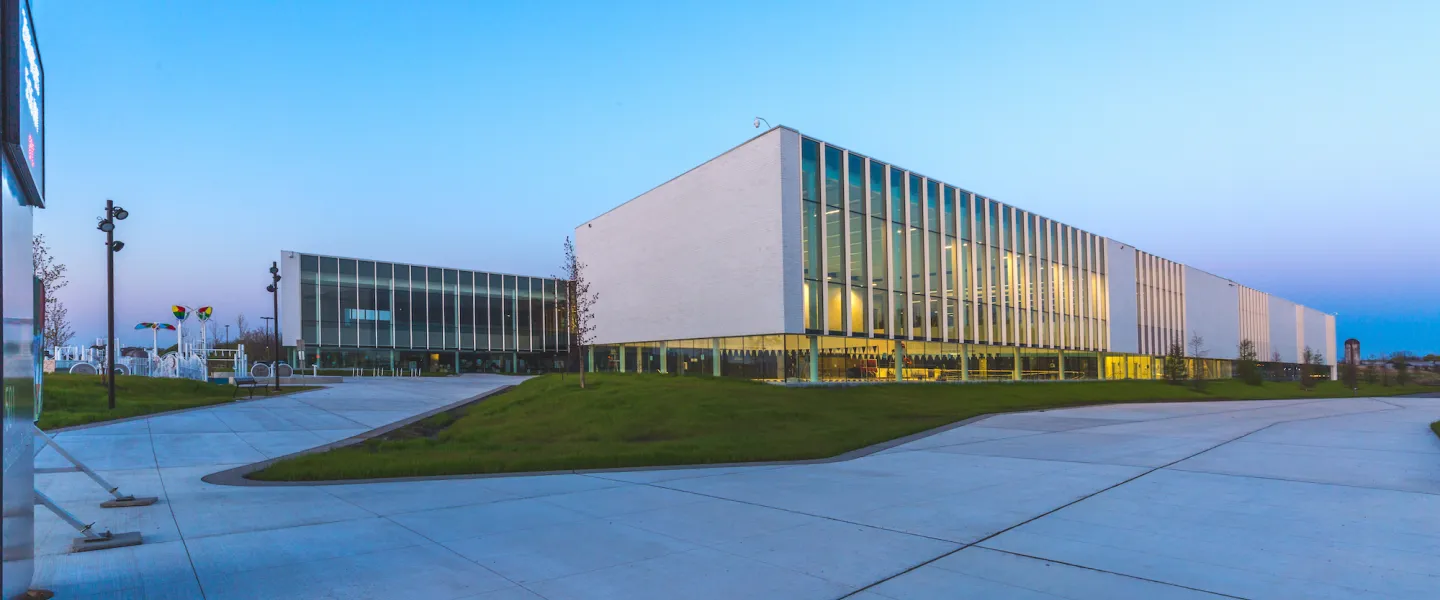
x=915 y=214
x=507 y=304
x=495 y=297
x=367 y=303
x=348 y=303
x=878 y=312
x=897 y=252
x=420 y=310
x=329 y=302
x=855 y=177
x=402 y=307
x=523 y=318
x=466 y=292
x=435 y=310
x=877 y=190
x=932 y=206
x=383 y=294
x=834 y=244
x=934 y=265
x=964 y=216
x=810 y=239
x=857 y=249
x=834 y=193
x=877 y=253
x=897 y=195
x=309 y=299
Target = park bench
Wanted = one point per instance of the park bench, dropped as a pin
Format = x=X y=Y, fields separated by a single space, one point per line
x=250 y=382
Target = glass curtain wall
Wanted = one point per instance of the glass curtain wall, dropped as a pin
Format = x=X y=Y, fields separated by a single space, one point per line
x=360 y=313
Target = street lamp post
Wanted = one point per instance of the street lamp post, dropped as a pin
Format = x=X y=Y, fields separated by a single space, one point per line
x=107 y=224
x=274 y=289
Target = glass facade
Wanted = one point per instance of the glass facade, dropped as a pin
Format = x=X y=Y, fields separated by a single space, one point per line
x=888 y=253
x=369 y=314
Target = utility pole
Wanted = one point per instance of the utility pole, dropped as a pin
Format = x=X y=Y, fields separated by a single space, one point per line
x=274 y=289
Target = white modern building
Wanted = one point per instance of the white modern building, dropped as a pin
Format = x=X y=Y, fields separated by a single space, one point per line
x=790 y=258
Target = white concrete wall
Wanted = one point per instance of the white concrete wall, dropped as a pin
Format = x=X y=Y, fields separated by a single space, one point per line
x=1284 y=330
x=703 y=255
x=289 y=297
x=1212 y=311
x=1314 y=334
x=1120 y=283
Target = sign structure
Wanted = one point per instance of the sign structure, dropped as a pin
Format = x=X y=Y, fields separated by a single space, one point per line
x=24 y=75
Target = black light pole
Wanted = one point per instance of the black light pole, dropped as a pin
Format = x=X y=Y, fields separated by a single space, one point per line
x=274 y=289
x=107 y=224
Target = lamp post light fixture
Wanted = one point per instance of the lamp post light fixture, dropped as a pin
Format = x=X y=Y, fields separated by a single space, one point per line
x=274 y=289
x=107 y=224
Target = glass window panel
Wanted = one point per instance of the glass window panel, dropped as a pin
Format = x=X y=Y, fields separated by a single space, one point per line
x=879 y=312
x=495 y=303
x=917 y=261
x=309 y=299
x=898 y=317
x=857 y=249
x=877 y=253
x=948 y=219
x=934 y=264
x=897 y=252
x=329 y=302
x=917 y=316
x=951 y=251
x=877 y=189
x=932 y=206
x=367 y=303
x=855 y=176
x=834 y=244
x=384 y=322
x=859 y=301
x=810 y=239
x=467 y=310
x=812 y=306
x=419 y=309
x=834 y=193
x=915 y=214
x=994 y=238
x=897 y=195
x=448 y=299
x=402 y=307
x=507 y=304
x=435 y=308
x=835 y=308
x=523 y=319
x=537 y=314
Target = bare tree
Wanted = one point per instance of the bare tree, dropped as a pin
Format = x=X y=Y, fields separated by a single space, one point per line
x=51 y=273
x=1311 y=362
x=1198 y=351
x=579 y=308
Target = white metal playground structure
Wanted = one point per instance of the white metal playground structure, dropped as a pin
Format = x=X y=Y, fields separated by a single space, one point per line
x=189 y=360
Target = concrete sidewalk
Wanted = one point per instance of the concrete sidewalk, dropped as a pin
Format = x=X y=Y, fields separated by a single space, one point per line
x=1280 y=499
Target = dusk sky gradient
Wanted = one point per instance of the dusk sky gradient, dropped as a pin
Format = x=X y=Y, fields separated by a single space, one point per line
x=1291 y=146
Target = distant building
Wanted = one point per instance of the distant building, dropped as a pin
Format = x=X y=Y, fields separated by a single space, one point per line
x=1352 y=351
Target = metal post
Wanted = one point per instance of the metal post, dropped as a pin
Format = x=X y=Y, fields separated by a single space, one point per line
x=814 y=358
x=964 y=362
x=899 y=360
x=1062 y=364
x=664 y=357
x=110 y=303
x=275 y=295
x=120 y=501
x=1016 y=366
x=715 y=358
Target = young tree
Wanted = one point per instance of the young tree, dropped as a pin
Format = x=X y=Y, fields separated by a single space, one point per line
x=1372 y=376
x=1401 y=361
x=1197 y=352
x=579 y=307
x=1309 y=367
x=1175 y=371
x=1249 y=363
x=1350 y=374
x=51 y=273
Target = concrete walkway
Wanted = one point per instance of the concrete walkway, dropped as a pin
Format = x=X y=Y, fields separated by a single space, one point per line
x=1280 y=499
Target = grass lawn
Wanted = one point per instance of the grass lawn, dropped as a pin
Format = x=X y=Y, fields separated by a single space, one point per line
x=81 y=399
x=649 y=420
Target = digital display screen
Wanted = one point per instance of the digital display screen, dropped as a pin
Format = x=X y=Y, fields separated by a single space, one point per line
x=32 y=100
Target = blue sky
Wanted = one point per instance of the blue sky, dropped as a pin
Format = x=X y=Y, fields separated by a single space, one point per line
x=1291 y=146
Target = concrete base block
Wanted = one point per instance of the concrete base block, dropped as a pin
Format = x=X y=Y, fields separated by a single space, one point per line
x=106 y=541
x=129 y=501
